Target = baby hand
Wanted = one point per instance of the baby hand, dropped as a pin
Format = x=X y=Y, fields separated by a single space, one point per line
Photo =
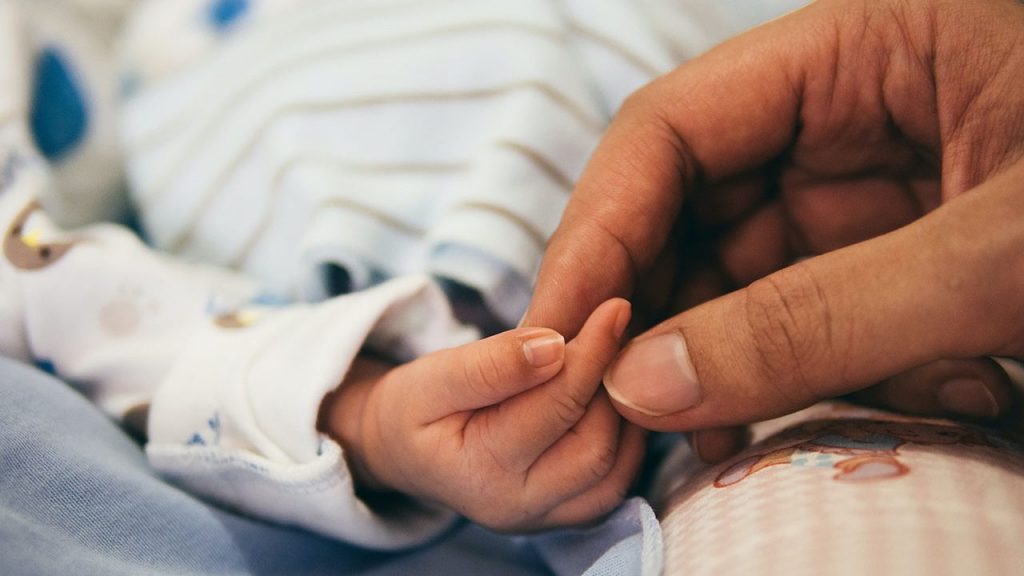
x=512 y=431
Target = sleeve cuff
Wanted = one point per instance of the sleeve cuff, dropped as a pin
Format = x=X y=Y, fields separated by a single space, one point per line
x=235 y=420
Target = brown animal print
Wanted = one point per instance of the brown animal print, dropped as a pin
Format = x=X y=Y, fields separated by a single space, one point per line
x=27 y=253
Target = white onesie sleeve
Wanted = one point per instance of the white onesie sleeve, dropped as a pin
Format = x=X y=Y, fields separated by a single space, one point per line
x=233 y=389
x=236 y=418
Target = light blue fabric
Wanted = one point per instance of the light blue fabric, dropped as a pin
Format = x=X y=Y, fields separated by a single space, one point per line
x=76 y=497
x=629 y=542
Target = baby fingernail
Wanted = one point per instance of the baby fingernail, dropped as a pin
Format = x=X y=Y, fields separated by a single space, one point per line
x=622 y=321
x=543 y=348
x=968 y=397
x=655 y=376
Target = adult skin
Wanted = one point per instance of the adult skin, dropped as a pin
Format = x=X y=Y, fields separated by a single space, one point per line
x=881 y=138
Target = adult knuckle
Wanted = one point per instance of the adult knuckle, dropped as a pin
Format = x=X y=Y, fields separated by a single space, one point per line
x=639 y=101
x=790 y=321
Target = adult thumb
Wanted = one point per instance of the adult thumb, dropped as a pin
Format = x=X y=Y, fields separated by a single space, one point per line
x=834 y=324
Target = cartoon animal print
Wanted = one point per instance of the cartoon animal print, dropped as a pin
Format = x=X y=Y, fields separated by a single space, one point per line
x=136 y=419
x=24 y=249
x=232 y=316
x=235 y=320
x=210 y=436
x=9 y=171
x=124 y=312
x=858 y=450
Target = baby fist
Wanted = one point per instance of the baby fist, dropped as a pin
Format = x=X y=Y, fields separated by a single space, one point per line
x=512 y=431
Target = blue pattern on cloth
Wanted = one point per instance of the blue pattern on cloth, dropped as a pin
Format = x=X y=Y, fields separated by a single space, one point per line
x=10 y=168
x=212 y=437
x=628 y=542
x=222 y=14
x=59 y=118
x=46 y=366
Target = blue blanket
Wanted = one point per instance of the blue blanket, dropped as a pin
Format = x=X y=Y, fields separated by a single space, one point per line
x=76 y=497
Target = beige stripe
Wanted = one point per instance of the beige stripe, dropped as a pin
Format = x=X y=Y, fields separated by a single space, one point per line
x=414 y=231
x=215 y=94
x=383 y=218
x=378 y=215
x=273 y=197
x=543 y=163
x=206 y=198
x=312 y=19
x=615 y=46
x=538 y=237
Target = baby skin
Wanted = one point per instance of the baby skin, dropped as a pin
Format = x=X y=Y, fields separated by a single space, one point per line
x=513 y=431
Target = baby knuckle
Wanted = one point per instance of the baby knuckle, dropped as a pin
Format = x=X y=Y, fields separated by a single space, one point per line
x=506 y=519
x=567 y=409
x=601 y=460
x=501 y=459
x=603 y=499
x=611 y=497
x=488 y=516
x=494 y=520
x=485 y=374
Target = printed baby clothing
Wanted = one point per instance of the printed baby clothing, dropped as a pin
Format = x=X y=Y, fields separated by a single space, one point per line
x=231 y=379
x=232 y=385
x=291 y=138
x=383 y=138
x=389 y=144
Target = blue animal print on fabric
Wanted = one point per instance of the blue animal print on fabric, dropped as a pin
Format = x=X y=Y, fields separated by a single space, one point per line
x=212 y=437
x=46 y=366
x=128 y=83
x=59 y=118
x=222 y=14
x=214 y=424
x=9 y=170
x=269 y=300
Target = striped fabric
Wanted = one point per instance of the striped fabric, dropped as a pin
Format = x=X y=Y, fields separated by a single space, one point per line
x=385 y=137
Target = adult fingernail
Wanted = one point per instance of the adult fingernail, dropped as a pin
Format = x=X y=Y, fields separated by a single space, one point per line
x=655 y=376
x=968 y=397
x=543 y=348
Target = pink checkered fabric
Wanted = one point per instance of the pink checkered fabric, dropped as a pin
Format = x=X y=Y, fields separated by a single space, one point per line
x=851 y=491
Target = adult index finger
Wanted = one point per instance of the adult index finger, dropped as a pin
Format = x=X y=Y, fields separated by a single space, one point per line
x=730 y=110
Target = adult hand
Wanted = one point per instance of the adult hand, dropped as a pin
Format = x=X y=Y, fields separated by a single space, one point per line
x=822 y=134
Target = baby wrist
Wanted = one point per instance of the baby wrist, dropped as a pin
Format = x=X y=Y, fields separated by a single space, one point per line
x=343 y=416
